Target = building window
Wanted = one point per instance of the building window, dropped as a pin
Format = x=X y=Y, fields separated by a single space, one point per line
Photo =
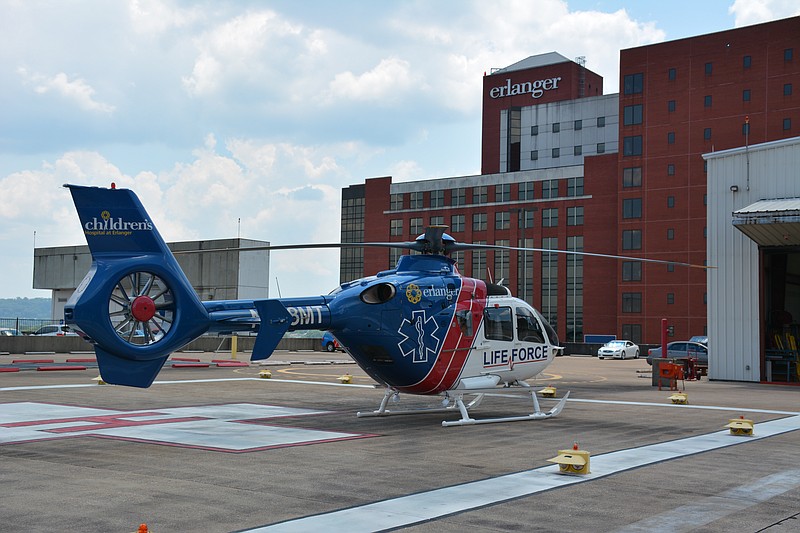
x=457 y=223
x=502 y=192
x=787 y=89
x=632 y=332
x=601 y=122
x=534 y=131
x=415 y=227
x=479 y=195
x=631 y=271
x=670 y=169
x=575 y=186
x=550 y=217
x=671 y=137
x=556 y=127
x=670 y=267
x=534 y=155
x=670 y=202
x=556 y=152
x=601 y=148
x=787 y=124
x=437 y=221
x=458 y=196
x=709 y=68
x=632 y=208
x=746 y=95
x=575 y=216
x=632 y=239
x=396 y=202
x=632 y=145
x=788 y=54
x=479 y=263
x=395 y=227
x=501 y=261
x=672 y=74
x=707 y=134
x=502 y=220
x=479 y=222
x=632 y=114
x=633 y=83
x=632 y=177
x=550 y=189
x=670 y=234
x=670 y=298
x=437 y=198
x=578 y=125
x=549 y=290
x=747 y=61
x=631 y=302
x=526 y=190
x=671 y=106
x=578 y=150
x=526 y=220
x=707 y=100
x=416 y=200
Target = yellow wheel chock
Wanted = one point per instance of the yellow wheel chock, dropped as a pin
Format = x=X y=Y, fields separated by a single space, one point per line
x=548 y=392
x=572 y=461
x=265 y=374
x=346 y=379
x=740 y=426
x=679 y=398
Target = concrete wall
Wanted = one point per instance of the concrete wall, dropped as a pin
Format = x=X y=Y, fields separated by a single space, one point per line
x=23 y=344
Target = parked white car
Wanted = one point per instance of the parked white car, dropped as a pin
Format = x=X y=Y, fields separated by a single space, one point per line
x=618 y=350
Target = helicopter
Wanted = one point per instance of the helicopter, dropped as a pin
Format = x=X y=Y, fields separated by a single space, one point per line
x=421 y=328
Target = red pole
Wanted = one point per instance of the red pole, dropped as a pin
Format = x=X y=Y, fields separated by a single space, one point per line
x=663 y=337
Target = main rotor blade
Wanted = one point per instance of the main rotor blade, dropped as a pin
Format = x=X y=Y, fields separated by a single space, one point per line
x=402 y=245
x=459 y=246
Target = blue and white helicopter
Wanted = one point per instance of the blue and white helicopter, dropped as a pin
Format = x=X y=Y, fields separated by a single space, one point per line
x=421 y=328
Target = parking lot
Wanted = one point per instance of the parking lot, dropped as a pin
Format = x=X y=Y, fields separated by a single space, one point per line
x=223 y=449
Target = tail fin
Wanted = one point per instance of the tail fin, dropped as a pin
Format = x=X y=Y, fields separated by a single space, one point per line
x=135 y=304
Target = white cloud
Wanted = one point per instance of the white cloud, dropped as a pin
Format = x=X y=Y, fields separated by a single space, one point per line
x=155 y=16
x=76 y=90
x=749 y=12
x=388 y=81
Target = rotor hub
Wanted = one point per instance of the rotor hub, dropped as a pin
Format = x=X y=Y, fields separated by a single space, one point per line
x=143 y=308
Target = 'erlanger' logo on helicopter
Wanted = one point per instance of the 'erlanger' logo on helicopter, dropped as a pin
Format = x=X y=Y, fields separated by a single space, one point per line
x=108 y=225
x=420 y=337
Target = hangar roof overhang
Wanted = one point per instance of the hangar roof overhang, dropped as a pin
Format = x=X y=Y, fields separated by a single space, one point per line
x=774 y=222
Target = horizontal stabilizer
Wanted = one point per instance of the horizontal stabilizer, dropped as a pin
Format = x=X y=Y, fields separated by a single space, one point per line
x=120 y=371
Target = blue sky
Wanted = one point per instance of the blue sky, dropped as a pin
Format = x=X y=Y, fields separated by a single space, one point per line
x=262 y=111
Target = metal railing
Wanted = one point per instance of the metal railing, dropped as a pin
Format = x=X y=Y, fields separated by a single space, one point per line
x=27 y=326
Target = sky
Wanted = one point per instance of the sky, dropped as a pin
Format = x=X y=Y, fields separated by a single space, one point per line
x=247 y=118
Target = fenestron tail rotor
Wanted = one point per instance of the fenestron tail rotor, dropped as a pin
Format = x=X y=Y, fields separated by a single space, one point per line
x=141 y=308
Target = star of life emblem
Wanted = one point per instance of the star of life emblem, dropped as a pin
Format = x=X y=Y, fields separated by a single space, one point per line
x=420 y=339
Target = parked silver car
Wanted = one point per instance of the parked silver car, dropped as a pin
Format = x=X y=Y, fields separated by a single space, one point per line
x=681 y=350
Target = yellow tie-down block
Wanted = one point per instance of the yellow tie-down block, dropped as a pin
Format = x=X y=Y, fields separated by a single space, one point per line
x=572 y=461
x=346 y=379
x=680 y=397
x=265 y=374
x=548 y=392
x=740 y=426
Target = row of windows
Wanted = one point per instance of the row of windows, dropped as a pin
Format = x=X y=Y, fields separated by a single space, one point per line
x=632 y=144
x=480 y=194
x=634 y=83
x=502 y=220
x=632 y=114
x=576 y=150
x=632 y=301
x=576 y=125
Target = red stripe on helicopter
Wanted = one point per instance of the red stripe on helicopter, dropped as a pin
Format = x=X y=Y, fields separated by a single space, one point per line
x=455 y=349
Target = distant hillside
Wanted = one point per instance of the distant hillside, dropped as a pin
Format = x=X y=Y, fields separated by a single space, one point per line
x=24 y=307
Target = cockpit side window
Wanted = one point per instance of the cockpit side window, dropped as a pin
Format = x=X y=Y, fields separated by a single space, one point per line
x=498 y=324
x=528 y=328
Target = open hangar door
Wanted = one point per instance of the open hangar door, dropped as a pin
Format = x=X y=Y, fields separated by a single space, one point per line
x=781 y=299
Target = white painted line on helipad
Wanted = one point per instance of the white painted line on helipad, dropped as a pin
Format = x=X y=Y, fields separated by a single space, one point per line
x=703 y=512
x=424 y=506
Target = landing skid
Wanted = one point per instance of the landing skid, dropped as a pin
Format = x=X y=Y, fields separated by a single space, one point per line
x=463 y=408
